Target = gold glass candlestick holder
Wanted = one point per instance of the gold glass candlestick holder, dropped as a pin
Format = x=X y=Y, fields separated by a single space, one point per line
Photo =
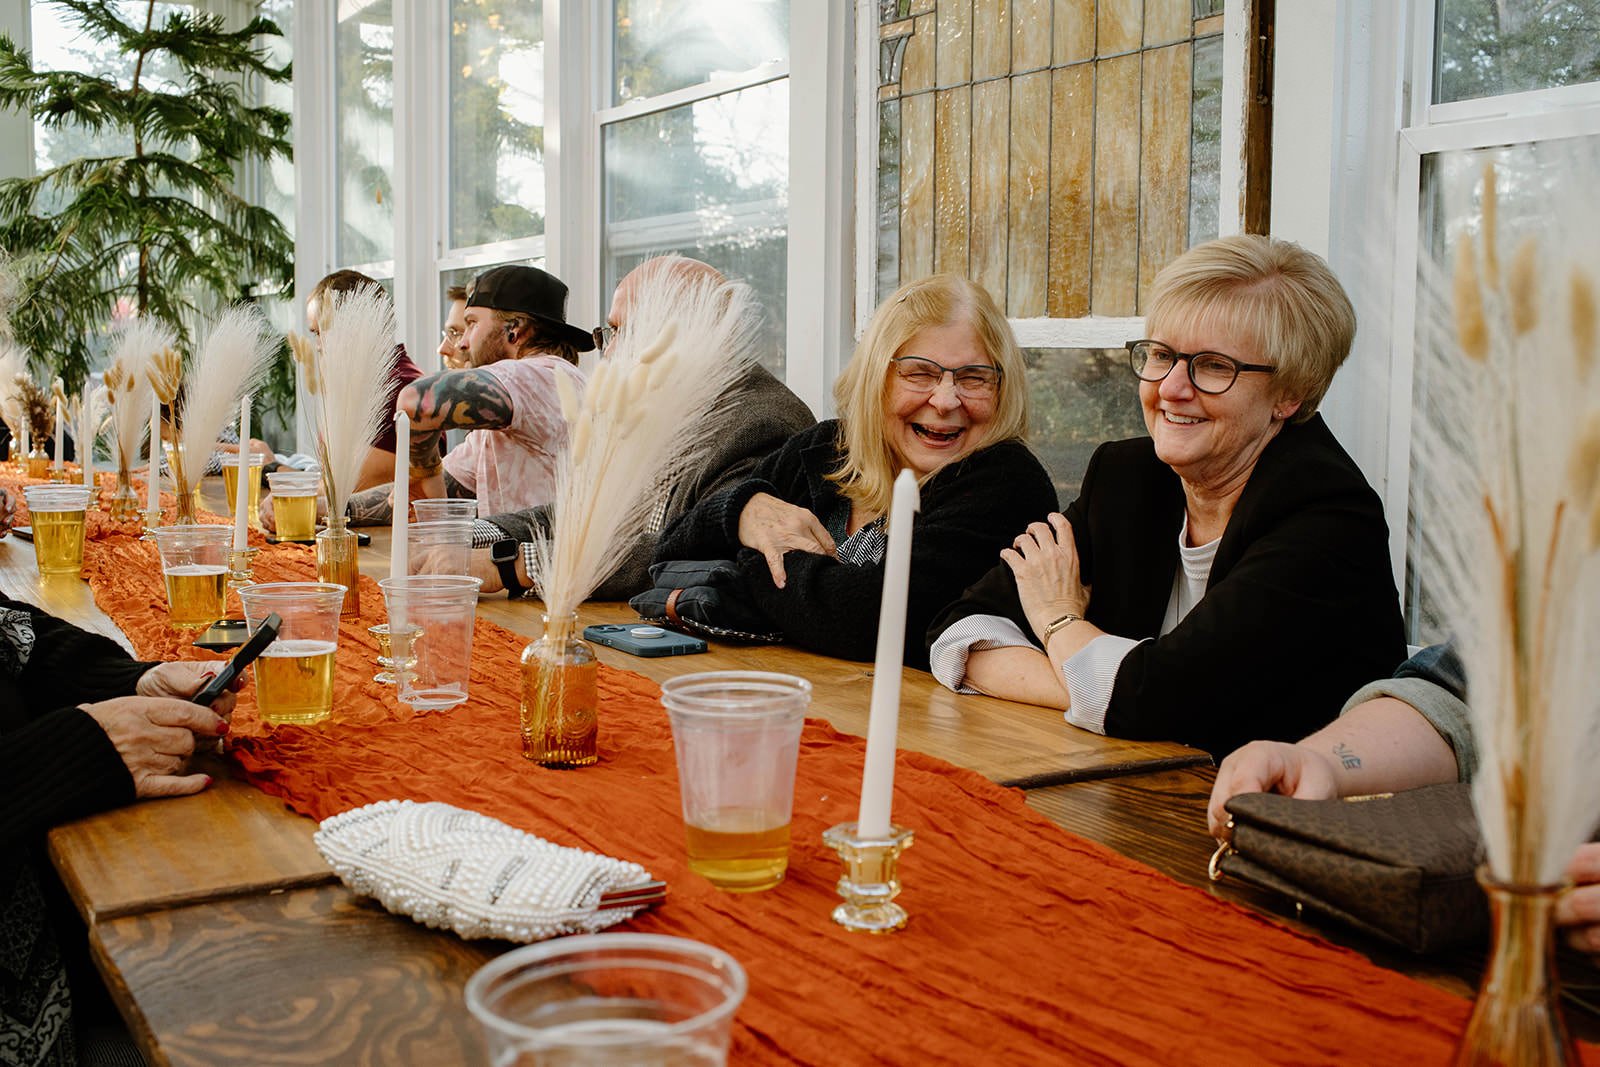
x=870 y=881
x=60 y=475
x=241 y=563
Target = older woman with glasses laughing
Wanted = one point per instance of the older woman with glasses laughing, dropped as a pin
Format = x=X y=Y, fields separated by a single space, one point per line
x=1237 y=559
x=936 y=385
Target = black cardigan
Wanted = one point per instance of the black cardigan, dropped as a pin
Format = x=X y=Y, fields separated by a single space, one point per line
x=970 y=511
x=1299 y=612
x=56 y=762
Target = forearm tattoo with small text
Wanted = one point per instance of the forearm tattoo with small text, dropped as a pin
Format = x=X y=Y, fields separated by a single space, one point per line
x=1351 y=761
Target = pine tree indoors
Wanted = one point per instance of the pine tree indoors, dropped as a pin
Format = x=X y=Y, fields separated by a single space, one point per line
x=153 y=222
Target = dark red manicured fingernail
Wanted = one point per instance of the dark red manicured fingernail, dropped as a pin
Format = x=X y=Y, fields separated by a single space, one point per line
x=222 y=728
x=208 y=782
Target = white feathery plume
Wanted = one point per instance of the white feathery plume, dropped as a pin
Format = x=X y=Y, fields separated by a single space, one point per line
x=686 y=341
x=13 y=363
x=346 y=385
x=128 y=384
x=1507 y=485
x=94 y=400
x=232 y=359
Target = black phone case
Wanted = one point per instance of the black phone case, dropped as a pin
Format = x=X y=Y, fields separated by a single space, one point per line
x=224 y=634
x=669 y=644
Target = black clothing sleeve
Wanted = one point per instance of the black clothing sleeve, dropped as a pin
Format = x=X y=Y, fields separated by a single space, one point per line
x=1300 y=609
x=970 y=511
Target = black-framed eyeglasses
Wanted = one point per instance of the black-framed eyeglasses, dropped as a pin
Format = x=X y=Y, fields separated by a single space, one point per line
x=975 y=381
x=1209 y=372
x=603 y=336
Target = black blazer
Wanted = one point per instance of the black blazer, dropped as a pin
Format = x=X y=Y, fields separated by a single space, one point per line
x=1299 y=612
x=971 y=509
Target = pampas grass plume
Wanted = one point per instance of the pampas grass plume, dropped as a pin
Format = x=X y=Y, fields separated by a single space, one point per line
x=645 y=415
x=232 y=360
x=1507 y=461
x=346 y=383
x=134 y=345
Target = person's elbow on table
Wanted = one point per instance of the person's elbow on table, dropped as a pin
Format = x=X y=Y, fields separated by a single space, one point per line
x=1268 y=767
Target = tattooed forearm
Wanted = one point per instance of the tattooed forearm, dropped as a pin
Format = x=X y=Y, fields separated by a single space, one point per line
x=456 y=489
x=371 y=507
x=457 y=399
x=425 y=452
x=1351 y=761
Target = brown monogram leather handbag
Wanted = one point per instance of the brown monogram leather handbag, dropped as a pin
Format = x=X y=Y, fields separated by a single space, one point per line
x=1398 y=866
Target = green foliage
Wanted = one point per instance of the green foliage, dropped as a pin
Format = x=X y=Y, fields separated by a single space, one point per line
x=1490 y=47
x=157 y=227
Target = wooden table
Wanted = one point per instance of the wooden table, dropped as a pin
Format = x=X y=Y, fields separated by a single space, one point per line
x=225 y=939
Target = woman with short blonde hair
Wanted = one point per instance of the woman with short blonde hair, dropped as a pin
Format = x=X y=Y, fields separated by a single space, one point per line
x=1224 y=578
x=936 y=386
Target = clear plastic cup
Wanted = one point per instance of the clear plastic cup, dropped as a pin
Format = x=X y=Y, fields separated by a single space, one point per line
x=294 y=676
x=608 y=999
x=294 y=504
x=434 y=508
x=438 y=610
x=254 y=461
x=441 y=546
x=194 y=562
x=737 y=739
x=57 y=515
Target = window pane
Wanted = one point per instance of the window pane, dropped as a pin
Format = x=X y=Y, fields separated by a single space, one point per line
x=1205 y=152
x=1451 y=211
x=1082 y=397
x=364 y=55
x=1490 y=47
x=496 y=121
x=58 y=44
x=662 y=45
x=708 y=180
x=277 y=180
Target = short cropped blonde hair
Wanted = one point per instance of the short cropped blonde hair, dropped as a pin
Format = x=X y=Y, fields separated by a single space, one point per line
x=861 y=395
x=1284 y=298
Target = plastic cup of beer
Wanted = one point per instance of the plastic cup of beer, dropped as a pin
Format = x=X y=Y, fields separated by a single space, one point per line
x=194 y=561
x=440 y=546
x=294 y=676
x=737 y=738
x=434 y=508
x=230 y=482
x=294 y=504
x=56 y=512
x=608 y=999
x=439 y=609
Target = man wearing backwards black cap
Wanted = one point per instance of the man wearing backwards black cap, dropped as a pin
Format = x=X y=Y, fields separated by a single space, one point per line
x=517 y=343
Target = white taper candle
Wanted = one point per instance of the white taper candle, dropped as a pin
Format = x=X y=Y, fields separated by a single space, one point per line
x=877 y=779
x=241 y=493
x=399 y=549
x=61 y=430
x=152 y=499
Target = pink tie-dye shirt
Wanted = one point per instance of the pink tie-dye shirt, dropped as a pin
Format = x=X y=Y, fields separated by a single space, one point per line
x=515 y=467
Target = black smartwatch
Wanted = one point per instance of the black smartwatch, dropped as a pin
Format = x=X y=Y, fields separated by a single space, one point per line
x=504 y=553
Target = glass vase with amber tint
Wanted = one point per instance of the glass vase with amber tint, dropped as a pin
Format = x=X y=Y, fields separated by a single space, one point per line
x=125 y=500
x=1517 y=1019
x=38 y=463
x=560 y=697
x=338 y=562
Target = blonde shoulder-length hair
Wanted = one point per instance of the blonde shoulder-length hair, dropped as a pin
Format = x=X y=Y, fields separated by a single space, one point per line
x=861 y=394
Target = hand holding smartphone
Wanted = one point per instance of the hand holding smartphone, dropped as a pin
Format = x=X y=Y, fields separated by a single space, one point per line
x=241 y=659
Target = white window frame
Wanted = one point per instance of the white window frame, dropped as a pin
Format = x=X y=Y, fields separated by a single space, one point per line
x=1426 y=129
x=1090 y=331
x=577 y=41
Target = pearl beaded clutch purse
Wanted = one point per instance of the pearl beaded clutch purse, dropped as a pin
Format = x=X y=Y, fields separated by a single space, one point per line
x=458 y=870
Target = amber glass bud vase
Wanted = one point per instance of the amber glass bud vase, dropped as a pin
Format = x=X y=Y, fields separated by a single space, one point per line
x=1517 y=1016
x=560 y=696
x=125 y=501
x=38 y=463
x=337 y=561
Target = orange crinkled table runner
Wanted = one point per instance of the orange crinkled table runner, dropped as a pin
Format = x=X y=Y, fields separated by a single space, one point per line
x=1026 y=943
